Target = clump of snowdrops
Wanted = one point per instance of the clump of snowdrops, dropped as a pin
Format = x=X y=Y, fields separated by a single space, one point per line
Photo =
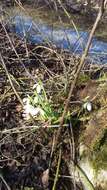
x=39 y=106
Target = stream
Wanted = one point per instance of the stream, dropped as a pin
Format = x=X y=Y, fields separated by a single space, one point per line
x=38 y=31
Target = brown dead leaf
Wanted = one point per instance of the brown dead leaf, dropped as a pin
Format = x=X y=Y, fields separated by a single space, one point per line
x=89 y=91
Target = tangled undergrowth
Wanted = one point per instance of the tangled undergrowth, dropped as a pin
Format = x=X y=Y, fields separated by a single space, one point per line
x=26 y=146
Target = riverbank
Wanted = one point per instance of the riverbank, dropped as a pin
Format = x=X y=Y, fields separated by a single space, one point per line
x=73 y=6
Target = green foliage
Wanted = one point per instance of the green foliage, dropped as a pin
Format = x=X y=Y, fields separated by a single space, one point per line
x=40 y=100
x=100 y=158
x=83 y=78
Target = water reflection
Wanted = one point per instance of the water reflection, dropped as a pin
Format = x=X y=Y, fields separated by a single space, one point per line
x=36 y=32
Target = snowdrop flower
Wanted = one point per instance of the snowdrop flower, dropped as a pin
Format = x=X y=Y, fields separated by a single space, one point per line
x=88 y=106
x=30 y=110
x=35 y=100
x=38 y=88
x=26 y=100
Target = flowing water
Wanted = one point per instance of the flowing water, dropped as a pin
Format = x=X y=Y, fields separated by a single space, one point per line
x=39 y=26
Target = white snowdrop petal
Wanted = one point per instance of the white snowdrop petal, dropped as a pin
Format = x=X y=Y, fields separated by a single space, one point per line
x=26 y=116
x=38 y=88
x=34 y=112
x=34 y=86
x=25 y=100
x=89 y=106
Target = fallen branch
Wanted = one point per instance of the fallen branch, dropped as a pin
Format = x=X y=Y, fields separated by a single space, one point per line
x=25 y=128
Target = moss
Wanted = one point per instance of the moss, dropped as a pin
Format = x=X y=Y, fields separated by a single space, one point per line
x=99 y=158
x=83 y=78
